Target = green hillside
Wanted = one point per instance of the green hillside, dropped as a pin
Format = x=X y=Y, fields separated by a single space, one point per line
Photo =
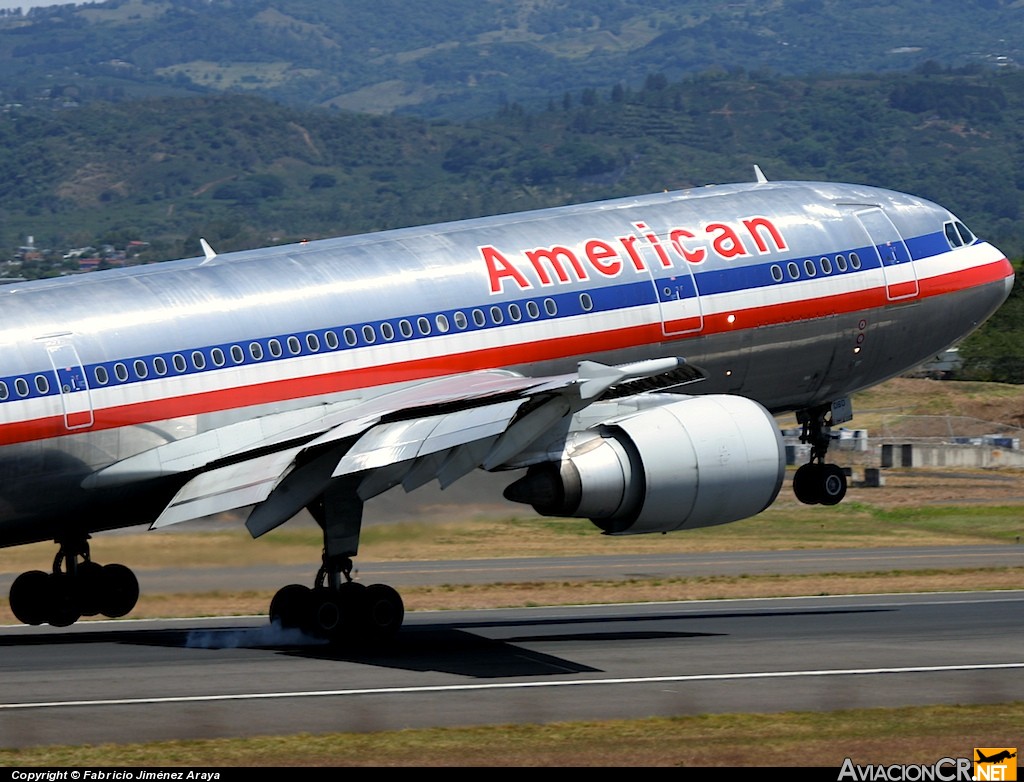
x=464 y=58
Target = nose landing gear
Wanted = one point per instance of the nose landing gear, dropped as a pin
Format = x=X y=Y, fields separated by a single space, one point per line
x=817 y=482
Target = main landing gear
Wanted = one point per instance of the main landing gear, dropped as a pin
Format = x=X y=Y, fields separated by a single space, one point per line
x=337 y=608
x=76 y=587
x=816 y=482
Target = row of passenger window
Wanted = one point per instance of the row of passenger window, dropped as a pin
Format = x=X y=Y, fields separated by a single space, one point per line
x=824 y=265
x=368 y=334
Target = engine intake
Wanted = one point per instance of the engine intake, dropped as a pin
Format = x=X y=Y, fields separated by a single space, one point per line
x=698 y=462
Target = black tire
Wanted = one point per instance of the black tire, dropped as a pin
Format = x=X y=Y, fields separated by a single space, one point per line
x=291 y=606
x=383 y=612
x=119 y=590
x=832 y=488
x=64 y=609
x=30 y=597
x=807 y=483
x=89 y=588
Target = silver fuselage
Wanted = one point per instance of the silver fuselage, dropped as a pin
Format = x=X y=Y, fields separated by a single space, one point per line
x=791 y=294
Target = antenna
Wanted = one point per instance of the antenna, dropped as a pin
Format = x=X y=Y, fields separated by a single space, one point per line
x=761 y=178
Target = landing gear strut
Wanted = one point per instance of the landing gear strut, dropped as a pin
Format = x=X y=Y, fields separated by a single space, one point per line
x=75 y=587
x=338 y=608
x=817 y=482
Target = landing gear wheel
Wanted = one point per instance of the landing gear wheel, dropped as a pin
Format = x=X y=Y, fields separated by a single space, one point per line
x=119 y=589
x=291 y=605
x=64 y=609
x=807 y=483
x=383 y=612
x=832 y=488
x=30 y=597
x=89 y=576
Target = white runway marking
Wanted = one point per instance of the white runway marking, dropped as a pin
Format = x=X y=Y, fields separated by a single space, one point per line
x=515 y=685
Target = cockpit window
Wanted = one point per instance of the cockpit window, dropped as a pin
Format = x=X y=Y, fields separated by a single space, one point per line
x=952 y=236
x=958 y=234
x=965 y=233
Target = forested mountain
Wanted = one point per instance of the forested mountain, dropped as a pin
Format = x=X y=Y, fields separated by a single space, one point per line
x=461 y=58
x=245 y=171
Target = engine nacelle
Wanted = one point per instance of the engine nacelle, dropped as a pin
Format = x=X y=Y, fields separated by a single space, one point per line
x=702 y=461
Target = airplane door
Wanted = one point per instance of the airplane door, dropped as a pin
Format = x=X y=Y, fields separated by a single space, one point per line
x=678 y=298
x=74 y=388
x=897 y=265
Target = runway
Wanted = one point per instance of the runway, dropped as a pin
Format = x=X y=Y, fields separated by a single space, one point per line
x=139 y=681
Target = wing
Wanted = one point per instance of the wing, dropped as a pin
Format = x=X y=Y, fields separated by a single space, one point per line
x=434 y=430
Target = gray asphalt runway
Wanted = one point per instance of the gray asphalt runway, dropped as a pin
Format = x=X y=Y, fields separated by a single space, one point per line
x=140 y=681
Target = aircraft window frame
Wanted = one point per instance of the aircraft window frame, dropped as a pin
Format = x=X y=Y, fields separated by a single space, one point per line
x=101 y=375
x=217 y=357
x=141 y=370
x=294 y=345
x=532 y=309
x=551 y=307
x=793 y=270
x=441 y=321
x=423 y=325
x=515 y=312
x=198 y=359
x=387 y=331
x=369 y=335
x=586 y=302
x=256 y=351
x=855 y=261
x=237 y=354
x=21 y=387
x=275 y=347
x=160 y=365
x=5 y=392
x=460 y=319
x=313 y=343
x=777 y=274
x=826 y=264
x=42 y=384
x=841 y=262
x=497 y=315
x=350 y=336
x=479 y=318
x=405 y=328
x=331 y=340
x=120 y=372
x=180 y=364
x=810 y=269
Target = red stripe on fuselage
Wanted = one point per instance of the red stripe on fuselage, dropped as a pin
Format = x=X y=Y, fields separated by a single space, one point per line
x=503 y=356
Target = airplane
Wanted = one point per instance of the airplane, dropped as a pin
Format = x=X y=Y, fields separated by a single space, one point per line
x=996 y=758
x=626 y=357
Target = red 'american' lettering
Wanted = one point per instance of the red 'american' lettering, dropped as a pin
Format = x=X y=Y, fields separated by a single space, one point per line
x=541 y=267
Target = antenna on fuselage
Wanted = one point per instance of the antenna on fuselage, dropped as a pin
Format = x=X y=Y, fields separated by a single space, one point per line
x=208 y=251
x=761 y=178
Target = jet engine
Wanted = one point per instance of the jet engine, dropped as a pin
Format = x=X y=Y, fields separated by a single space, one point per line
x=698 y=462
